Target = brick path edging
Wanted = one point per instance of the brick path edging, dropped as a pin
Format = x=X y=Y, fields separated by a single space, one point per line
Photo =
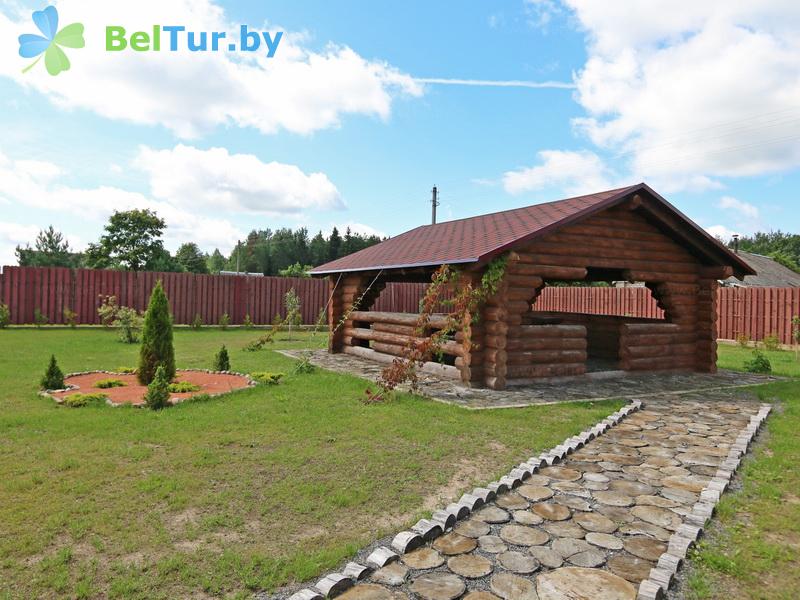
x=425 y=530
x=49 y=393
x=663 y=574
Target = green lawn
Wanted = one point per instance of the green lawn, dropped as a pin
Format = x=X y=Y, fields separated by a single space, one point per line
x=784 y=362
x=754 y=551
x=230 y=495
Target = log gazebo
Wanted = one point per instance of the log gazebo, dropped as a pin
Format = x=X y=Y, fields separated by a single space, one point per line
x=627 y=234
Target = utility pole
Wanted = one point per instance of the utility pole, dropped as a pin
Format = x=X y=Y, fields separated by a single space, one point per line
x=434 y=204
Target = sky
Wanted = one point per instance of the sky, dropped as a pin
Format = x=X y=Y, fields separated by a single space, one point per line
x=364 y=106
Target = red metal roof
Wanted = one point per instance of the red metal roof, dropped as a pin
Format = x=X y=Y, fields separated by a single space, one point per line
x=476 y=239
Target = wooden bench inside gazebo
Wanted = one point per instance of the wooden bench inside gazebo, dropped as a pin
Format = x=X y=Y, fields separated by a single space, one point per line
x=628 y=234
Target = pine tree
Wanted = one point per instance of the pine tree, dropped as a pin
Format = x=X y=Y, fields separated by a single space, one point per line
x=157 y=396
x=221 y=360
x=53 y=377
x=157 y=346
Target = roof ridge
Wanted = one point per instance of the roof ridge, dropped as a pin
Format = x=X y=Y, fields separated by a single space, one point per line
x=499 y=212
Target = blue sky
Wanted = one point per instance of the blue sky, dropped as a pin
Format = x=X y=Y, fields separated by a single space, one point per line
x=339 y=127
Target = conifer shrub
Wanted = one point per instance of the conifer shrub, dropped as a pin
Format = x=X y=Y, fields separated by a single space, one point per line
x=197 y=322
x=221 y=361
x=104 y=384
x=758 y=364
x=53 y=378
x=157 y=349
x=78 y=400
x=157 y=396
x=224 y=321
x=183 y=387
x=247 y=323
x=5 y=316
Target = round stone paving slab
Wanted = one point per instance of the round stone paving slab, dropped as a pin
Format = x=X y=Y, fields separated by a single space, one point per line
x=517 y=562
x=547 y=556
x=512 y=501
x=393 y=574
x=613 y=498
x=642 y=528
x=573 y=502
x=526 y=517
x=367 y=591
x=691 y=483
x=492 y=544
x=438 y=586
x=564 y=529
x=453 y=543
x=423 y=558
x=618 y=514
x=589 y=558
x=604 y=540
x=473 y=528
x=645 y=547
x=480 y=595
x=656 y=501
x=551 y=512
x=493 y=514
x=519 y=535
x=566 y=547
x=513 y=587
x=661 y=517
x=535 y=492
x=470 y=566
x=561 y=473
x=577 y=583
x=630 y=567
x=630 y=488
x=595 y=522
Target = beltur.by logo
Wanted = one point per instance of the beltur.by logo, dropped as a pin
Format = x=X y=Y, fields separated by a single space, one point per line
x=50 y=42
x=177 y=37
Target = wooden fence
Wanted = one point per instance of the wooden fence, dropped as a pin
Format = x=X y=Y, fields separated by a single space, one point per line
x=755 y=312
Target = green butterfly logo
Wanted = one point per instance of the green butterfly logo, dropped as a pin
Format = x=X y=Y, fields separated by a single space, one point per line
x=55 y=60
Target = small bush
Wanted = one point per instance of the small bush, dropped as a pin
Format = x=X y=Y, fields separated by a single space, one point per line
x=126 y=370
x=128 y=321
x=224 y=321
x=157 y=396
x=197 y=322
x=248 y=322
x=183 y=387
x=259 y=343
x=70 y=317
x=758 y=364
x=771 y=342
x=291 y=302
x=743 y=340
x=277 y=321
x=304 y=366
x=265 y=377
x=53 y=378
x=5 y=316
x=322 y=321
x=77 y=400
x=221 y=360
x=39 y=318
x=105 y=384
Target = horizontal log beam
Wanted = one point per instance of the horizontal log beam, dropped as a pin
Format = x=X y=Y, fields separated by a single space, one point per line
x=370 y=316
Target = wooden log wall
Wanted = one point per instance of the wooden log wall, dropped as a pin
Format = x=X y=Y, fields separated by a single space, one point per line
x=355 y=288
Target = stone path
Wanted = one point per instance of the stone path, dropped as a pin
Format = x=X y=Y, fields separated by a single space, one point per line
x=592 y=387
x=611 y=521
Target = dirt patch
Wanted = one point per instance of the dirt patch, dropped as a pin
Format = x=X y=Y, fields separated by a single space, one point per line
x=133 y=392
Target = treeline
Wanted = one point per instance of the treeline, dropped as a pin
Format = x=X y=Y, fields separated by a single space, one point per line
x=133 y=240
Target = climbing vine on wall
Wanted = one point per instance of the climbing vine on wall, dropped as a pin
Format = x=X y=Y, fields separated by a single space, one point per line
x=464 y=308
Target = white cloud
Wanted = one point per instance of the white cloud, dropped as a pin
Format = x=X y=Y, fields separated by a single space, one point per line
x=691 y=91
x=721 y=232
x=11 y=236
x=361 y=229
x=575 y=172
x=540 y=13
x=299 y=90
x=742 y=209
x=215 y=179
x=49 y=194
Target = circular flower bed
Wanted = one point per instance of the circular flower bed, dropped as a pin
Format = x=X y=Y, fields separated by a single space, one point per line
x=212 y=383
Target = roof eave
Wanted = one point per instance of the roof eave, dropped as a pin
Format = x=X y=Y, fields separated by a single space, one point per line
x=315 y=272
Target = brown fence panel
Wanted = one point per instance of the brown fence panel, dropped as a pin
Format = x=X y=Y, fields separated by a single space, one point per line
x=754 y=312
